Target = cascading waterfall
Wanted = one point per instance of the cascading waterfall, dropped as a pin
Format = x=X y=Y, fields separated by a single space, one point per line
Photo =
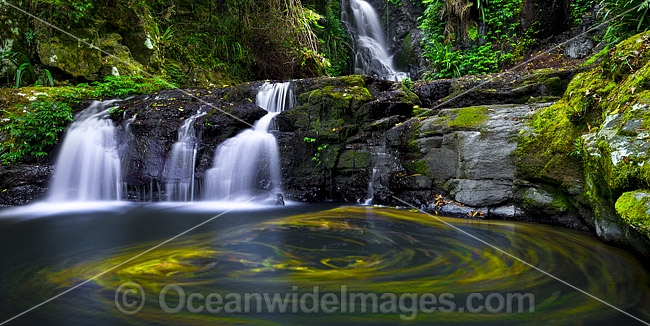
x=250 y=162
x=88 y=167
x=179 y=170
x=371 y=56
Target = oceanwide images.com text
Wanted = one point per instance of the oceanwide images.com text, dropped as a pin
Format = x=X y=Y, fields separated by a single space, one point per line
x=130 y=299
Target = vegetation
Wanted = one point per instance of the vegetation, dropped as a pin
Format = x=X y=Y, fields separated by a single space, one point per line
x=32 y=122
x=24 y=70
x=453 y=45
x=29 y=131
x=628 y=17
x=208 y=42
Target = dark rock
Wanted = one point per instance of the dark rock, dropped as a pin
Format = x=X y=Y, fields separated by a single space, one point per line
x=503 y=88
x=431 y=92
x=21 y=183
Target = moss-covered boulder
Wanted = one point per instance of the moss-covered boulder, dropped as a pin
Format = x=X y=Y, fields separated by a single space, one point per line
x=634 y=208
x=72 y=56
x=595 y=142
x=122 y=62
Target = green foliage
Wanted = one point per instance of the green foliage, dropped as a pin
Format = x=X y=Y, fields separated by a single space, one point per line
x=24 y=70
x=409 y=84
x=578 y=9
x=65 y=13
x=334 y=40
x=446 y=23
x=445 y=62
x=27 y=133
x=123 y=86
x=628 y=17
x=317 y=156
x=577 y=150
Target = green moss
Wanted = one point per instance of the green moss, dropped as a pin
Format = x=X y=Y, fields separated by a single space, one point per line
x=417 y=167
x=634 y=209
x=65 y=53
x=544 y=152
x=469 y=117
x=554 y=85
x=560 y=203
x=627 y=133
x=333 y=103
x=597 y=57
x=627 y=57
x=353 y=80
x=351 y=159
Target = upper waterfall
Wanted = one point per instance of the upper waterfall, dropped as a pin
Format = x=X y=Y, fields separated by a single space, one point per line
x=371 y=55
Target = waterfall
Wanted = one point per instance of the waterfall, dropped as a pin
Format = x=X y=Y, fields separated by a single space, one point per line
x=371 y=55
x=383 y=166
x=179 y=170
x=371 y=190
x=88 y=167
x=250 y=162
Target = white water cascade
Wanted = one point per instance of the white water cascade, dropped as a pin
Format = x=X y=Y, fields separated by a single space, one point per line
x=249 y=163
x=179 y=170
x=88 y=167
x=371 y=56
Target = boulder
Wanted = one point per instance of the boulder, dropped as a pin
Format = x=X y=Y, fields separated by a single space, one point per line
x=72 y=56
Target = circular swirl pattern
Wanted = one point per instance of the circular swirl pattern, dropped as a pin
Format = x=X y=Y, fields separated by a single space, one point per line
x=381 y=250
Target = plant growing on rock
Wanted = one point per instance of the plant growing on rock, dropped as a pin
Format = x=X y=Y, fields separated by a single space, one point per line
x=453 y=46
x=632 y=16
x=28 y=133
x=24 y=69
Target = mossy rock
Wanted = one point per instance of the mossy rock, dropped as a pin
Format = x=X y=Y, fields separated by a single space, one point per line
x=627 y=56
x=545 y=151
x=333 y=103
x=121 y=63
x=469 y=117
x=354 y=160
x=634 y=209
x=72 y=56
x=308 y=85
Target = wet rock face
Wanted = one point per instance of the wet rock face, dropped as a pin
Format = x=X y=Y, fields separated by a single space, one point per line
x=505 y=88
x=470 y=154
x=150 y=126
x=22 y=183
x=65 y=54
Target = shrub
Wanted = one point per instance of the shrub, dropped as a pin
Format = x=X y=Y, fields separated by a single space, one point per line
x=27 y=133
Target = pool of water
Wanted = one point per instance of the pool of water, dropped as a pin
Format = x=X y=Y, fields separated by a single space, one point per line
x=321 y=263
